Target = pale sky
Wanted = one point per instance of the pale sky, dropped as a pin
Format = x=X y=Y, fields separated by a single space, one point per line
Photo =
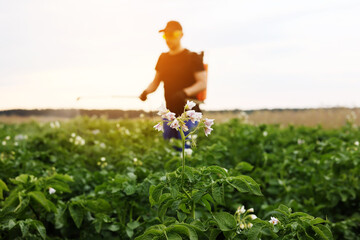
x=261 y=53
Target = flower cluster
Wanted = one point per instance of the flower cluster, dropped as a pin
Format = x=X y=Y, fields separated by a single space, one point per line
x=179 y=123
x=300 y=141
x=4 y=142
x=137 y=162
x=77 y=140
x=123 y=130
x=188 y=152
x=274 y=220
x=243 y=218
x=100 y=144
x=95 y=131
x=55 y=124
x=102 y=163
x=21 y=137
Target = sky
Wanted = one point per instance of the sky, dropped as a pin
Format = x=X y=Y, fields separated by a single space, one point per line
x=261 y=53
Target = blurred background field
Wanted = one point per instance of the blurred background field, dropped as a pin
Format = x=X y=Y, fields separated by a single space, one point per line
x=326 y=117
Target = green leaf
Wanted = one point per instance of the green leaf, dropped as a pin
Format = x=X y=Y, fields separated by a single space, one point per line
x=181 y=216
x=60 y=218
x=129 y=190
x=197 y=194
x=10 y=224
x=259 y=230
x=21 y=179
x=323 y=232
x=254 y=233
x=151 y=233
x=114 y=227
x=24 y=227
x=206 y=204
x=58 y=186
x=244 y=184
x=11 y=201
x=98 y=225
x=2 y=188
x=40 y=228
x=214 y=233
x=184 y=230
x=225 y=221
x=302 y=235
x=189 y=173
x=51 y=206
x=174 y=191
x=174 y=236
x=40 y=198
x=24 y=201
x=317 y=221
x=156 y=192
x=129 y=232
x=132 y=176
x=133 y=225
x=216 y=170
x=63 y=177
x=208 y=198
x=163 y=208
x=286 y=211
x=98 y=206
x=298 y=214
x=244 y=166
x=218 y=193
x=77 y=214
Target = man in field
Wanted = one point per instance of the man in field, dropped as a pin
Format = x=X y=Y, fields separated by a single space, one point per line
x=182 y=73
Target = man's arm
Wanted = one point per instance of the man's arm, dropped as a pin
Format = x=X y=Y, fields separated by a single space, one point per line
x=152 y=87
x=199 y=85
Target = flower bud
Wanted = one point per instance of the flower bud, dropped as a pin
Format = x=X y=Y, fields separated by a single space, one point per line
x=253 y=216
x=51 y=190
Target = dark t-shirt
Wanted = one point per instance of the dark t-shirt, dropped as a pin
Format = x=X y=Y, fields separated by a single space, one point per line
x=177 y=72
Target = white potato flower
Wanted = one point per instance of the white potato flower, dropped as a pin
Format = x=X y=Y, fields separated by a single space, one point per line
x=51 y=190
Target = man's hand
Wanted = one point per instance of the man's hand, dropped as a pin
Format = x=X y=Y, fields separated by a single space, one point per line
x=143 y=96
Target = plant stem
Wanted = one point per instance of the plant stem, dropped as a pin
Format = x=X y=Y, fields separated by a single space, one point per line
x=193 y=210
x=183 y=137
x=183 y=163
x=183 y=157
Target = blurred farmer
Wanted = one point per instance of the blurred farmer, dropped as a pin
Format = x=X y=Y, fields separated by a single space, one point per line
x=182 y=72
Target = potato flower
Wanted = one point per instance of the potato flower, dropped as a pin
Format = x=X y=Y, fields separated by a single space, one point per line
x=190 y=104
x=179 y=123
x=51 y=190
x=175 y=124
x=159 y=127
x=274 y=220
x=243 y=218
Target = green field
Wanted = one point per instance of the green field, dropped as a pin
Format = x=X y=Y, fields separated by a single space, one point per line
x=121 y=180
